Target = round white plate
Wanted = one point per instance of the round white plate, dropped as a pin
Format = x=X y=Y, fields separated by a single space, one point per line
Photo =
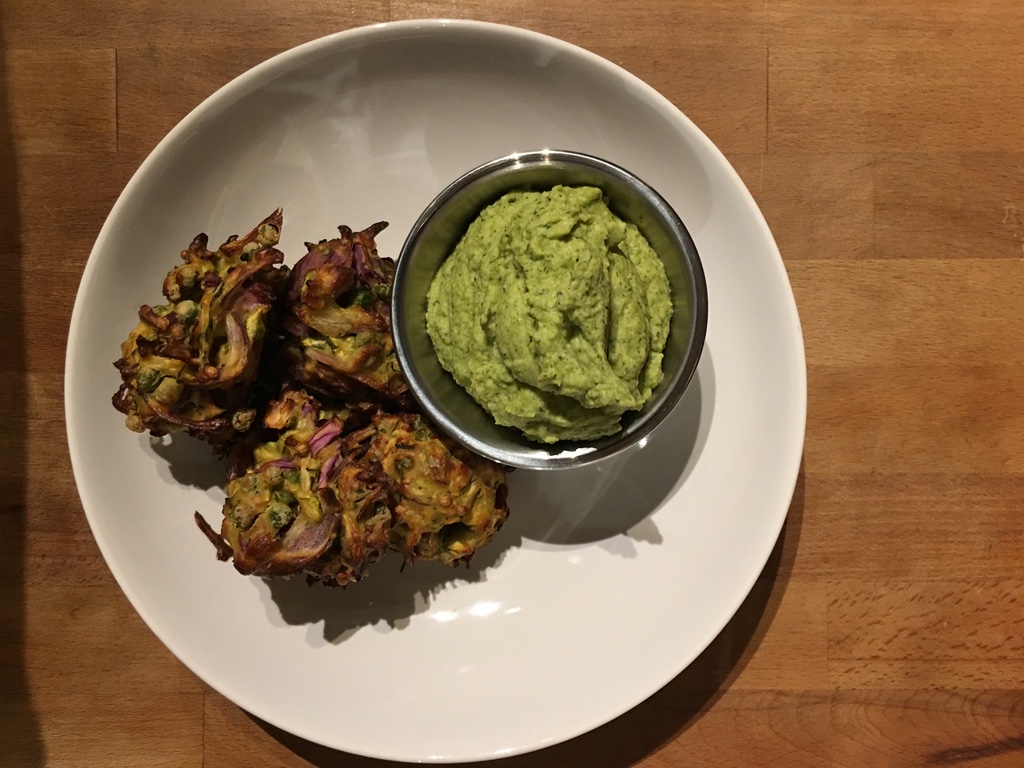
x=606 y=582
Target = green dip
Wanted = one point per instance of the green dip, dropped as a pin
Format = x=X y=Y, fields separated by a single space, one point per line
x=552 y=313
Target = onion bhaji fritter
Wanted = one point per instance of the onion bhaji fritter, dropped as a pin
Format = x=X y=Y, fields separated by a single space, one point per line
x=328 y=501
x=190 y=363
x=302 y=506
x=446 y=501
x=340 y=468
x=339 y=319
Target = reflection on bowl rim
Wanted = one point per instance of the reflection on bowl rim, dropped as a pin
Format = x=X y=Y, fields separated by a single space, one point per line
x=636 y=424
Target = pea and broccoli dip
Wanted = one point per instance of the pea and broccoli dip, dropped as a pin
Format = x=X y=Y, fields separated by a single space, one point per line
x=553 y=314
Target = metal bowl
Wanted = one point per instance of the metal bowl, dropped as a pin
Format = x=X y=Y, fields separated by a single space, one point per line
x=442 y=225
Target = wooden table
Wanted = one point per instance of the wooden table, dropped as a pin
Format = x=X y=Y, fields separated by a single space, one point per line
x=885 y=144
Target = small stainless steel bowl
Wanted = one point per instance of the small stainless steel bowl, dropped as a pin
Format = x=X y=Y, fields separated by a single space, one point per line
x=442 y=225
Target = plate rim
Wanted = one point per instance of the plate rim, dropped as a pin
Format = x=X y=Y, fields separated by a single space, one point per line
x=298 y=55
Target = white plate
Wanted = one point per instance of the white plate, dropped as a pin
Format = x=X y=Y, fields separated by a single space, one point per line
x=605 y=583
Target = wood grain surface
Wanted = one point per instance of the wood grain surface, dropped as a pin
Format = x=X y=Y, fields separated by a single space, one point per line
x=884 y=143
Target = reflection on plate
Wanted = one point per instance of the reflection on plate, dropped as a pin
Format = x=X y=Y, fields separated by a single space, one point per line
x=607 y=581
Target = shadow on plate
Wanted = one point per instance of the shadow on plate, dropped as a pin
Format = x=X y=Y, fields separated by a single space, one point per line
x=189 y=462
x=389 y=596
x=667 y=714
x=608 y=504
x=618 y=495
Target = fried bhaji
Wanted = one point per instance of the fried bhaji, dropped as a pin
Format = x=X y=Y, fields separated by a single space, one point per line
x=303 y=507
x=327 y=501
x=339 y=468
x=339 y=318
x=446 y=501
x=190 y=363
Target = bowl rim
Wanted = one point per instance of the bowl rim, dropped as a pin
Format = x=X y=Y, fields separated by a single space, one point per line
x=563 y=454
